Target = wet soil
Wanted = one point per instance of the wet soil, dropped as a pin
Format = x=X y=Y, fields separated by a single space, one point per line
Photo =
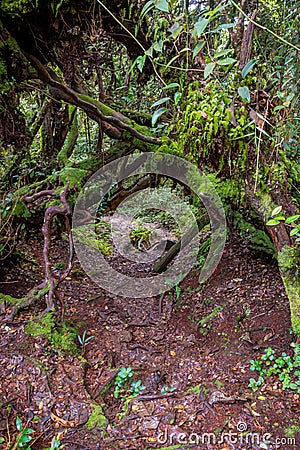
x=190 y=348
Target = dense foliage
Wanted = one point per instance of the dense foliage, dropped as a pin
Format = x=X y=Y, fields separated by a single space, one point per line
x=82 y=83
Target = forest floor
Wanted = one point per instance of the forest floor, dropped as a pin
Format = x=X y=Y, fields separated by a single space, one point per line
x=192 y=354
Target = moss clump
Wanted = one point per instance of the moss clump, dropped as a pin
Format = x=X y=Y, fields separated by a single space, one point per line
x=292 y=430
x=97 y=418
x=62 y=338
x=289 y=262
x=95 y=236
x=76 y=177
x=67 y=149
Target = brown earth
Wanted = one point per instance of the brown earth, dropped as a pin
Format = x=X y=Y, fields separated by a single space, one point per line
x=167 y=346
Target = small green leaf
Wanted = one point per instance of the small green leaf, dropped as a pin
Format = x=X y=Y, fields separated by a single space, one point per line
x=272 y=222
x=226 y=61
x=294 y=232
x=19 y=424
x=162 y=5
x=175 y=30
x=201 y=25
x=160 y=102
x=149 y=52
x=276 y=211
x=198 y=48
x=177 y=97
x=292 y=219
x=2 y=440
x=208 y=69
x=224 y=26
x=244 y=93
x=141 y=62
x=248 y=67
x=222 y=52
x=171 y=86
x=157 y=114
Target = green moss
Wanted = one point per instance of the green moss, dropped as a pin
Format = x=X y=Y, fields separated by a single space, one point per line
x=20 y=209
x=289 y=263
x=97 y=418
x=16 y=7
x=106 y=110
x=96 y=236
x=66 y=151
x=89 y=165
x=9 y=299
x=43 y=327
x=258 y=239
x=62 y=338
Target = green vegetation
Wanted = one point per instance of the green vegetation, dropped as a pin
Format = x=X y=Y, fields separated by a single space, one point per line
x=83 y=341
x=97 y=236
x=204 y=324
x=97 y=418
x=123 y=385
x=140 y=237
x=60 y=337
x=286 y=369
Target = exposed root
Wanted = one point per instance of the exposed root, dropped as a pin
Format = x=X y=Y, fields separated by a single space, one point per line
x=48 y=286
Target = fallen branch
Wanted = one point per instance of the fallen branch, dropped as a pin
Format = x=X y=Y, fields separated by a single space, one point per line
x=50 y=213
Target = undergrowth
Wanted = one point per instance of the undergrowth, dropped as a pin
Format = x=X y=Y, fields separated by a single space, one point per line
x=60 y=337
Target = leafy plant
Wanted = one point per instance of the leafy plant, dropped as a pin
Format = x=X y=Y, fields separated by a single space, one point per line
x=286 y=367
x=55 y=443
x=166 y=389
x=122 y=385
